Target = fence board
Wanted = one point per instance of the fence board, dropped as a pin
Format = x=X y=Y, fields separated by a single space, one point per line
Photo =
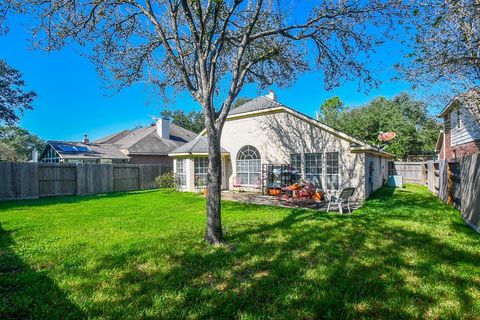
x=443 y=180
x=470 y=190
x=126 y=177
x=31 y=180
x=412 y=172
x=430 y=176
x=56 y=179
x=18 y=180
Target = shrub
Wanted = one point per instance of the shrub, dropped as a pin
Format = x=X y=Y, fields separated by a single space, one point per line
x=167 y=181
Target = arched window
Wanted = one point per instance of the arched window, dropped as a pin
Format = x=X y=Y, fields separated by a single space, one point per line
x=248 y=166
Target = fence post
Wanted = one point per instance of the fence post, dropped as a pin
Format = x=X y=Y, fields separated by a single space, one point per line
x=449 y=184
x=140 y=177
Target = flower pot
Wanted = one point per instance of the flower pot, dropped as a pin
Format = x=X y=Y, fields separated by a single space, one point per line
x=205 y=192
x=318 y=196
x=273 y=192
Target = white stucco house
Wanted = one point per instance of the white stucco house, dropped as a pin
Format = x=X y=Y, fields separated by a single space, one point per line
x=263 y=138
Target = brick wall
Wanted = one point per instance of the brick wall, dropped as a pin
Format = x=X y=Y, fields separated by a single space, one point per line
x=466 y=149
x=458 y=151
x=448 y=139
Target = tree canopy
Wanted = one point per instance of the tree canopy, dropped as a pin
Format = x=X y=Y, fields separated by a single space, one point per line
x=193 y=120
x=445 y=44
x=14 y=98
x=17 y=144
x=416 y=130
x=330 y=111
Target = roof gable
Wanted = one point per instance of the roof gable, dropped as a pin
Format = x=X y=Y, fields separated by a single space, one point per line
x=147 y=141
x=263 y=105
x=259 y=106
x=197 y=146
x=469 y=100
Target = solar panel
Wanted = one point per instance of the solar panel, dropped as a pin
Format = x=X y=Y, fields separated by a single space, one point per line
x=67 y=148
x=70 y=148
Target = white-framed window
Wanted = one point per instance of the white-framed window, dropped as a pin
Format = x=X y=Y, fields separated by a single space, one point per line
x=249 y=166
x=296 y=161
x=313 y=168
x=332 y=171
x=181 y=172
x=200 y=171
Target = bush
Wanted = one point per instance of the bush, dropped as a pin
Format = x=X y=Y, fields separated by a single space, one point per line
x=167 y=181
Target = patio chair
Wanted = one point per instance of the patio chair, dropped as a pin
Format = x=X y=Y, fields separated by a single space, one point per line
x=344 y=197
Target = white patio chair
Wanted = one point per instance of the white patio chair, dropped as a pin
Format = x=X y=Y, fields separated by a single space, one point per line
x=344 y=197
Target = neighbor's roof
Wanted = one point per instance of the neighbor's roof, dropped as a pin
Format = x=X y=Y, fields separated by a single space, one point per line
x=472 y=95
x=147 y=141
x=76 y=150
x=114 y=137
x=198 y=146
x=263 y=104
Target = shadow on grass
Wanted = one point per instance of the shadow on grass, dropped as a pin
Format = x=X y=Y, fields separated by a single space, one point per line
x=400 y=256
x=313 y=265
x=27 y=293
x=46 y=201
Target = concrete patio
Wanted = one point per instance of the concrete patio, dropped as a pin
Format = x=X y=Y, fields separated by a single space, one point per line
x=261 y=199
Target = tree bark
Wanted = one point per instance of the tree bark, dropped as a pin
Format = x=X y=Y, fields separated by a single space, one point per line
x=214 y=233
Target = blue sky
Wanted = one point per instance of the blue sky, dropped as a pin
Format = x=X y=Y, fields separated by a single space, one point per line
x=73 y=101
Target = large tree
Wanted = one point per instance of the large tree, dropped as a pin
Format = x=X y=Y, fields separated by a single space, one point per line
x=416 y=130
x=446 y=44
x=18 y=144
x=193 y=120
x=212 y=48
x=330 y=111
x=7 y=7
x=14 y=98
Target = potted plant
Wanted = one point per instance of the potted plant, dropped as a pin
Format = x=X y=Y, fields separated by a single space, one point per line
x=318 y=195
x=274 y=189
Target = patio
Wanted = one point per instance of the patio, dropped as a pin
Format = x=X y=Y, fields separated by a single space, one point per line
x=267 y=200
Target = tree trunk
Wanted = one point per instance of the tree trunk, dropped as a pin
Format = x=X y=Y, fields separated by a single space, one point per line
x=214 y=233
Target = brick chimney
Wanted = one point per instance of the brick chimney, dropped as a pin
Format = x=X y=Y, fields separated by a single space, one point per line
x=163 y=128
x=85 y=139
x=271 y=95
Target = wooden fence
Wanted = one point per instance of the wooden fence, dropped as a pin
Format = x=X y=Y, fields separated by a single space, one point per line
x=33 y=180
x=412 y=172
x=458 y=184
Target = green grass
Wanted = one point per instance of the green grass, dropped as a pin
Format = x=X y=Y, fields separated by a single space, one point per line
x=404 y=254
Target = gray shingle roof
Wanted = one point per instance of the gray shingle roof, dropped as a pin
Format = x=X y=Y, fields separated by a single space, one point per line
x=259 y=103
x=147 y=141
x=94 y=151
x=113 y=137
x=197 y=146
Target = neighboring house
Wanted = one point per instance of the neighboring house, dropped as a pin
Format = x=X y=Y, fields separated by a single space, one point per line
x=264 y=133
x=81 y=152
x=461 y=132
x=149 y=145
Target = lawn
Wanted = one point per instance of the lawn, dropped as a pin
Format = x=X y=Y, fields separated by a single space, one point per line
x=404 y=254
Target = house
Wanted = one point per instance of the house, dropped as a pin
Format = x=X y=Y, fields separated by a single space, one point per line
x=81 y=152
x=149 y=145
x=262 y=139
x=461 y=127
